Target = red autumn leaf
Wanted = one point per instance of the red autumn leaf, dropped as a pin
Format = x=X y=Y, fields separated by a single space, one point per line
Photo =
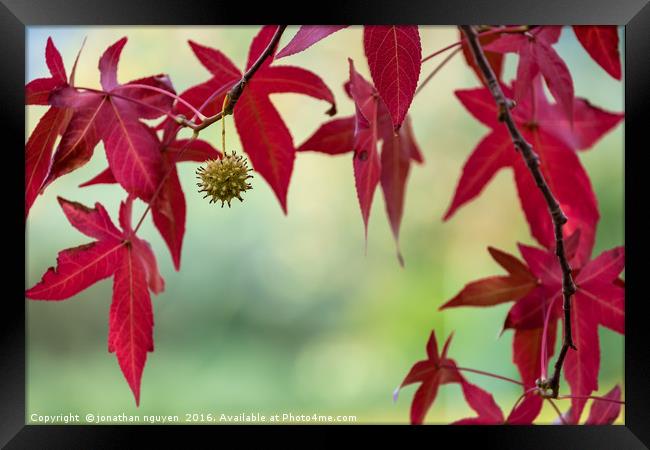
x=598 y=301
x=397 y=152
x=118 y=253
x=366 y=162
x=527 y=351
x=38 y=152
x=103 y=177
x=555 y=146
x=132 y=152
x=80 y=138
x=601 y=42
x=497 y=289
x=483 y=403
x=307 y=36
x=489 y=413
x=527 y=411
x=432 y=372
x=168 y=213
x=113 y=115
x=605 y=412
x=537 y=56
x=37 y=92
x=394 y=55
x=263 y=133
x=333 y=137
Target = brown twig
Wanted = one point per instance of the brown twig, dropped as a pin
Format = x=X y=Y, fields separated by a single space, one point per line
x=557 y=216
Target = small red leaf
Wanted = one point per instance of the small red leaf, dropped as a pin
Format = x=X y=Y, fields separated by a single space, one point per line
x=169 y=215
x=77 y=268
x=397 y=152
x=131 y=319
x=296 y=80
x=605 y=412
x=108 y=65
x=132 y=151
x=192 y=150
x=267 y=141
x=218 y=64
x=395 y=56
x=333 y=137
x=104 y=177
x=79 y=140
x=483 y=404
x=37 y=92
x=307 y=36
x=492 y=291
x=511 y=264
x=366 y=163
x=492 y=154
x=55 y=62
x=93 y=222
x=527 y=411
x=581 y=367
x=38 y=152
x=601 y=42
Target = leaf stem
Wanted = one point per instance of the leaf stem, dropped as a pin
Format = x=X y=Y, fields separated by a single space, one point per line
x=557 y=410
x=164 y=92
x=519 y=400
x=557 y=215
x=513 y=29
x=436 y=70
x=481 y=372
x=132 y=100
x=590 y=397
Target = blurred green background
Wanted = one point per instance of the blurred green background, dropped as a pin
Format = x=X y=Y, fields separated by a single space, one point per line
x=274 y=313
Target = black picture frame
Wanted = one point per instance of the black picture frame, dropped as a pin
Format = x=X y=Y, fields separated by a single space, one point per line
x=16 y=15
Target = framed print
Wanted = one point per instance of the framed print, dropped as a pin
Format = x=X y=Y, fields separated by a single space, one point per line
x=375 y=215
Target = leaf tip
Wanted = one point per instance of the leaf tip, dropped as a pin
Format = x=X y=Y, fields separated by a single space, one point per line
x=396 y=394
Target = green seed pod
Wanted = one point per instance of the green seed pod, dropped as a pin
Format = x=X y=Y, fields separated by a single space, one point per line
x=224 y=179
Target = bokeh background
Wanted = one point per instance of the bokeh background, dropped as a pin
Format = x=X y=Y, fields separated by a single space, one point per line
x=273 y=313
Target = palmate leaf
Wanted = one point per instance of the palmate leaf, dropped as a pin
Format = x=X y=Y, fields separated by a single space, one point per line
x=84 y=117
x=599 y=300
x=555 y=142
x=361 y=135
x=131 y=262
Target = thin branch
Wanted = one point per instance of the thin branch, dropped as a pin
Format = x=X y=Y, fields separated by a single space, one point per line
x=164 y=92
x=557 y=410
x=433 y=73
x=487 y=32
x=236 y=91
x=481 y=372
x=521 y=398
x=590 y=397
x=557 y=216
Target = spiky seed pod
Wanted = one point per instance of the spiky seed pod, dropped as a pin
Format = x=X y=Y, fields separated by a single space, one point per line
x=224 y=179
